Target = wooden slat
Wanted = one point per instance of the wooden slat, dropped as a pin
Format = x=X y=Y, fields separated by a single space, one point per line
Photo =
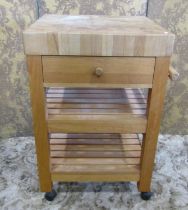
x=94 y=161
x=93 y=136
x=98 y=100
x=86 y=96
x=60 y=147
x=94 y=95
x=110 y=172
x=95 y=111
x=96 y=85
x=76 y=123
x=121 y=177
x=91 y=90
x=94 y=141
x=95 y=154
x=91 y=169
x=95 y=106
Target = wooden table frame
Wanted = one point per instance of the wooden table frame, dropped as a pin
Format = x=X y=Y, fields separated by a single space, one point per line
x=155 y=105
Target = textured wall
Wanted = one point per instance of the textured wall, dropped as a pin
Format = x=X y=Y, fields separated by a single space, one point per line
x=15 y=15
x=93 y=7
x=173 y=15
x=15 y=115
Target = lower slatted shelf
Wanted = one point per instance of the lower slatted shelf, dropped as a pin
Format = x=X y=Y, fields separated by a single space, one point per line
x=95 y=157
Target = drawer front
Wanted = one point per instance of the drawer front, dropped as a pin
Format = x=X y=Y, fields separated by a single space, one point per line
x=102 y=71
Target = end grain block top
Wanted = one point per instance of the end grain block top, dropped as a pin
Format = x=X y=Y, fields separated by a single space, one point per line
x=97 y=36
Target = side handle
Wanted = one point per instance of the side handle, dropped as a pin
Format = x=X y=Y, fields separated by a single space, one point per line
x=173 y=74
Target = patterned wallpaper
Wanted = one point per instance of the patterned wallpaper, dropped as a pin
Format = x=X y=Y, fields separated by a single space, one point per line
x=93 y=7
x=173 y=15
x=15 y=114
x=15 y=15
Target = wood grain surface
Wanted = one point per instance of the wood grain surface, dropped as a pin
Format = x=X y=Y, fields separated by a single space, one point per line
x=39 y=117
x=97 y=36
x=114 y=70
x=154 y=112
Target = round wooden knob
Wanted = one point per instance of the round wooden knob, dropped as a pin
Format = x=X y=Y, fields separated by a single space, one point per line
x=98 y=71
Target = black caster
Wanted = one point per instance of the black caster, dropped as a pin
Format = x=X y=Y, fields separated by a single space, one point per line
x=49 y=196
x=146 y=195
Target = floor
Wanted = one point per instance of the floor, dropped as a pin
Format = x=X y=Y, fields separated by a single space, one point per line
x=19 y=184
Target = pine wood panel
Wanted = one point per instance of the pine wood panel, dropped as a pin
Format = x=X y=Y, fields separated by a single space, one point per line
x=81 y=70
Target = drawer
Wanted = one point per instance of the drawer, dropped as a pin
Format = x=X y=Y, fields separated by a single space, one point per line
x=98 y=71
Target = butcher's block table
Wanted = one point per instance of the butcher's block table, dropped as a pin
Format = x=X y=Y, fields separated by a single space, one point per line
x=96 y=83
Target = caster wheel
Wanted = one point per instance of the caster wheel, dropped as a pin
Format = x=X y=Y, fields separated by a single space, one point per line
x=49 y=196
x=146 y=195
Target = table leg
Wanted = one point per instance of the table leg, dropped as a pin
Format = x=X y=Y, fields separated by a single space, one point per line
x=155 y=106
x=39 y=121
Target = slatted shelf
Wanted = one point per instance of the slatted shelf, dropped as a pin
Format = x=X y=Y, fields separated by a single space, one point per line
x=92 y=157
x=100 y=110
